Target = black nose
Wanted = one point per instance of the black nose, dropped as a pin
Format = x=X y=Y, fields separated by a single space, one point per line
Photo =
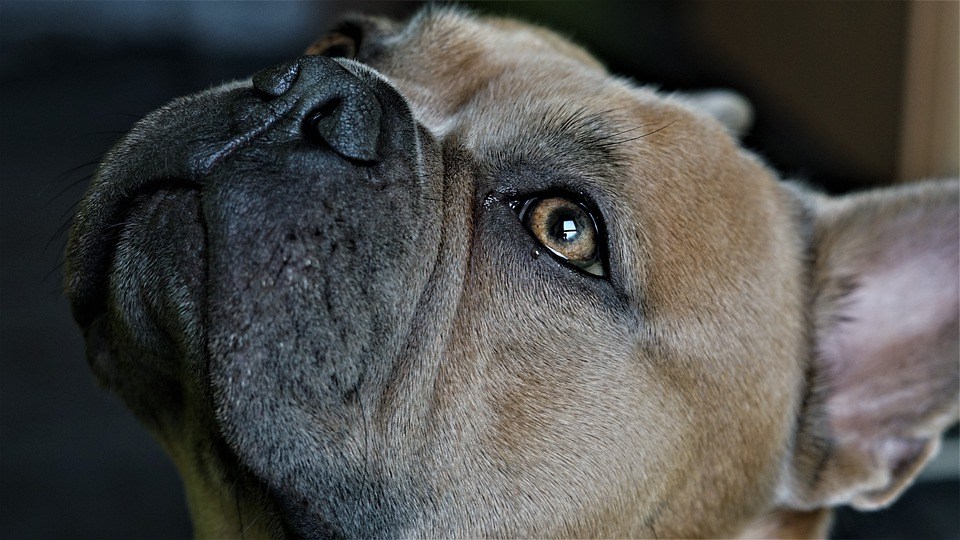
x=339 y=109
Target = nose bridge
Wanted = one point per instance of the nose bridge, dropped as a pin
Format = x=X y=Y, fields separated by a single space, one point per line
x=333 y=106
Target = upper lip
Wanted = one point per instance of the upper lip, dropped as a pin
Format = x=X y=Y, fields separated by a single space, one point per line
x=167 y=149
x=93 y=245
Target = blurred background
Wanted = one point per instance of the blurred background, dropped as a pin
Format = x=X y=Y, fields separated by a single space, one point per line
x=848 y=95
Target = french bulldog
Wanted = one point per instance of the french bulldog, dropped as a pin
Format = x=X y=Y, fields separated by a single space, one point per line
x=451 y=278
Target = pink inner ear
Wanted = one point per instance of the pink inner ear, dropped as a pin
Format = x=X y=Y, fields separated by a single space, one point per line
x=889 y=366
x=886 y=313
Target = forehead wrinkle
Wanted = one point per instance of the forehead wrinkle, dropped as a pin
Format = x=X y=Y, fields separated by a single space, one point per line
x=592 y=133
x=571 y=135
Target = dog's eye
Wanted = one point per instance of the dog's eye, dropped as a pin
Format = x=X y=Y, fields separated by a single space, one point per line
x=341 y=42
x=565 y=227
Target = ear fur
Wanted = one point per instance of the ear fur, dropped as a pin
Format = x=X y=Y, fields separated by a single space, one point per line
x=884 y=377
x=726 y=106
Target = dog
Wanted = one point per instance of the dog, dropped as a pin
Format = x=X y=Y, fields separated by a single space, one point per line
x=451 y=278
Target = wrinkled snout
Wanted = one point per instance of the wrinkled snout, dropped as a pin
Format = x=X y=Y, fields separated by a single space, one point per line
x=262 y=247
x=304 y=117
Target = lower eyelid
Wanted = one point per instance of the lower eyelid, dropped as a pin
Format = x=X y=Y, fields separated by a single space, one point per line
x=595 y=268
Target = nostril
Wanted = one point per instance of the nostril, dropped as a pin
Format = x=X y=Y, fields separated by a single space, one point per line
x=348 y=123
x=275 y=81
x=317 y=125
x=334 y=107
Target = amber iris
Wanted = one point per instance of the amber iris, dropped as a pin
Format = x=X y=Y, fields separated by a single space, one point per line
x=567 y=229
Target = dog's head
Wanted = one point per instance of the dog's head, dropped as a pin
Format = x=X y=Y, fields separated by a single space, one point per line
x=451 y=278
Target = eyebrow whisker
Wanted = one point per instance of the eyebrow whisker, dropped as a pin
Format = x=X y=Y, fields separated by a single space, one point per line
x=617 y=134
x=661 y=128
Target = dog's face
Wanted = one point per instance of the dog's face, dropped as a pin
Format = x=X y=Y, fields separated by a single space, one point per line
x=460 y=281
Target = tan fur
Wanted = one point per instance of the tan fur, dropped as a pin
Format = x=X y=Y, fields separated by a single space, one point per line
x=716 y=244
x=533 y=414
x=696 y=207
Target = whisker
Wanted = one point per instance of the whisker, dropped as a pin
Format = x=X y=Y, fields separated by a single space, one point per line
x=617 y=134
x=67 y=188
x=59 y=266
x=247 y=528
x=66 y=220
x=622 y=141
x=68 y=172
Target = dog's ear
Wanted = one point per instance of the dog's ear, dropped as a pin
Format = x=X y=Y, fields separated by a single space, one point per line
x=884 y=377
x=726 y=106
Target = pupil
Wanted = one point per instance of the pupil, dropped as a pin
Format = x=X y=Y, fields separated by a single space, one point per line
x=565 y=227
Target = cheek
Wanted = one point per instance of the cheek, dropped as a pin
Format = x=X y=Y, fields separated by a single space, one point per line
x=568 y=378
x=576 y=406
x=577 y=395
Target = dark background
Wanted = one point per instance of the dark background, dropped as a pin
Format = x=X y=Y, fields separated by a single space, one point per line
x=825 y=79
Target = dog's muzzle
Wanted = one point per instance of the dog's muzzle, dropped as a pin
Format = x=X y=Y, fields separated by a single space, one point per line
x=262 y=248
